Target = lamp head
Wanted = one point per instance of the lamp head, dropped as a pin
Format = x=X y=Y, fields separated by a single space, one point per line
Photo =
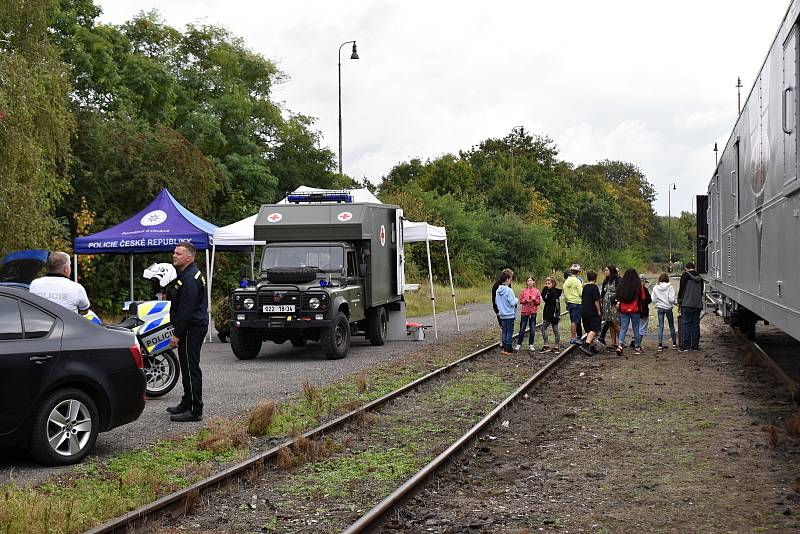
x=354 y=55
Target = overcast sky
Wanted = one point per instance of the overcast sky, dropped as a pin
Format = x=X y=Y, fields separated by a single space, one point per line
x=644 y=82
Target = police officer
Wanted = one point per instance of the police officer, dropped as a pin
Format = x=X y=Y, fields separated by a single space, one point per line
x=189 y=315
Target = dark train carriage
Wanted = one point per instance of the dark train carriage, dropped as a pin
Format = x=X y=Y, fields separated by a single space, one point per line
x=752 y=238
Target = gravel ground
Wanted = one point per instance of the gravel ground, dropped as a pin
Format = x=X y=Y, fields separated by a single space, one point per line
x=671 y=442
x=232 y=387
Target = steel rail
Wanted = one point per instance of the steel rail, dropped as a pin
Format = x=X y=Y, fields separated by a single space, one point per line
x=182 y=500
x=372 y=518
x=791 y=385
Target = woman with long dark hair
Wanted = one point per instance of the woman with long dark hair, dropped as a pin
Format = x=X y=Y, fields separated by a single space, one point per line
x=629 y=293
x=608 y=298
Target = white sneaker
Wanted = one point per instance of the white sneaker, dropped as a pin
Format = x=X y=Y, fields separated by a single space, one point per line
x=531 y=348
x=517 y=347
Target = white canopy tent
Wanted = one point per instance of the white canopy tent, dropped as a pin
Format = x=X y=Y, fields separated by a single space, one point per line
x=241 y=234
x=422 y=231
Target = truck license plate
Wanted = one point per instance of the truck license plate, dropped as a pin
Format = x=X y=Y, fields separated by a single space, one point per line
x=279 y=308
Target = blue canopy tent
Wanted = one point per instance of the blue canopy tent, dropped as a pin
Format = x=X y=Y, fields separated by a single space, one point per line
x=157 y=228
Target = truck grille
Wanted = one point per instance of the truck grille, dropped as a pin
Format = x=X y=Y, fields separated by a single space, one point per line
x=286 y=297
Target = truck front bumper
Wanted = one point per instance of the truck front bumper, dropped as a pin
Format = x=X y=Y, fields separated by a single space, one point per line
x=281 y=324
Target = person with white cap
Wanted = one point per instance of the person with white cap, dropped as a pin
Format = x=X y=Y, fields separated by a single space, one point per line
x=573 y=289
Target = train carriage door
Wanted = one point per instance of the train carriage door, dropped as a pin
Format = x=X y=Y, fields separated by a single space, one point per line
x=789 y=99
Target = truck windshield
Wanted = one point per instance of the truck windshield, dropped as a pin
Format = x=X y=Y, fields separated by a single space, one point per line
x=328 y=259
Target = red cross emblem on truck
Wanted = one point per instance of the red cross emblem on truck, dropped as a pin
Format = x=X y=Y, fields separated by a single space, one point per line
x=274 y=217
x=345 y=216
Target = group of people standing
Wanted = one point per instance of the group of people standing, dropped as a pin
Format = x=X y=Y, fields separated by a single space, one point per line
x=622 y=303
x=188 y=314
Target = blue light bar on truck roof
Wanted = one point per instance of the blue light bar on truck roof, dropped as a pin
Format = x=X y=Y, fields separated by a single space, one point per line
x=337 y=196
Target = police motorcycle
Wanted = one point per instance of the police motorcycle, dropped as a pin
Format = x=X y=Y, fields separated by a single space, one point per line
x=149 y=320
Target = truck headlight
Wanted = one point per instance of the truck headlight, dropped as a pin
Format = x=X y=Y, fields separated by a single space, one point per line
x=314 y=303
x=249 y=303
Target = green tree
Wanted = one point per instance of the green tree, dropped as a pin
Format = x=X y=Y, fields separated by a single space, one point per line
x=35 y=127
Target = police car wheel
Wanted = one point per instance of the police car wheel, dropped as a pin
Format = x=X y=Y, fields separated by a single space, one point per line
x=377 y=326
x=65 y=428
x=335 y=340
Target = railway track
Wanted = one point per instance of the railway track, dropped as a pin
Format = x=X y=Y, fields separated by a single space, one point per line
x=379 y=512
x=773 y=349
x=182 y=501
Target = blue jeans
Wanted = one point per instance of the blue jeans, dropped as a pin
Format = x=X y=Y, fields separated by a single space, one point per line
x=526 y=321
x=631 y=319
x=671 y=319
x=643 y=322
x=690 y=327
x=507 y=329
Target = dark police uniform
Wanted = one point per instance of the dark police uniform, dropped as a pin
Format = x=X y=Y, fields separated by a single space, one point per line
x=189 y=315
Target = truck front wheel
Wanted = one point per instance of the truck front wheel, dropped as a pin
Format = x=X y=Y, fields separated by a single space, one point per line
x=245 y=342
x=377 y=325
x=335 y=340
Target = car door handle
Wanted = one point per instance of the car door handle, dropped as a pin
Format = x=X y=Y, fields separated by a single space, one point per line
x=41 y=359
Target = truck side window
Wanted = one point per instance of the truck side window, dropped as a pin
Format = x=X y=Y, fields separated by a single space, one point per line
x=352 y=265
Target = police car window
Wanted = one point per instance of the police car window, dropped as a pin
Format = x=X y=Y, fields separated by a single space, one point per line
x=10 y=322
x=37 y=323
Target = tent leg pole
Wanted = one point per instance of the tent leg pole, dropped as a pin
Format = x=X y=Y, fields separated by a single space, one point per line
x=131 y=270
x=253 y=263
x=75 y=267
x=433 y=294
x=452 y=289
x=208 y=291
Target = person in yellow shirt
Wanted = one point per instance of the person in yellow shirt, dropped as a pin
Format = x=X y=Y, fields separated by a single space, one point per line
x=573 y=290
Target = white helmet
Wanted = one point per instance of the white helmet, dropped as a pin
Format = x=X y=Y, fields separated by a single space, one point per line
x=163 y=272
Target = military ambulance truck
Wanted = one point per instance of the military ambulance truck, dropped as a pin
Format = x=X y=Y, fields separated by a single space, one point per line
x=328 y=271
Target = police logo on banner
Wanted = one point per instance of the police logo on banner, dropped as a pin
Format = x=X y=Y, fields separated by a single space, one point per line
x=153 y=218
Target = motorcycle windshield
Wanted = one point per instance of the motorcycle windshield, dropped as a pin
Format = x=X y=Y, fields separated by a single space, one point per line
x=21 y=267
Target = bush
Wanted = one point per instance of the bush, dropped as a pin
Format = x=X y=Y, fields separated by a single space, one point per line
x=221 y=313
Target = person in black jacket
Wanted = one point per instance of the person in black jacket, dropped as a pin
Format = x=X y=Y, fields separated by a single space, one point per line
x=551 y=313
x=189 y=315
x=690 y=300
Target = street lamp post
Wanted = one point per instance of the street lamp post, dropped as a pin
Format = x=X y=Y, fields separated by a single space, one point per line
x=669 y=223
x=513 y=131
x=354 y=55
x=739 y=96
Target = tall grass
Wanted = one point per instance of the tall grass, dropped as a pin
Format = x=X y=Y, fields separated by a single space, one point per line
x=418 y=303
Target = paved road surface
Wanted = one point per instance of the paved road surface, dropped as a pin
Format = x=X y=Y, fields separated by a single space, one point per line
x=232 y=387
